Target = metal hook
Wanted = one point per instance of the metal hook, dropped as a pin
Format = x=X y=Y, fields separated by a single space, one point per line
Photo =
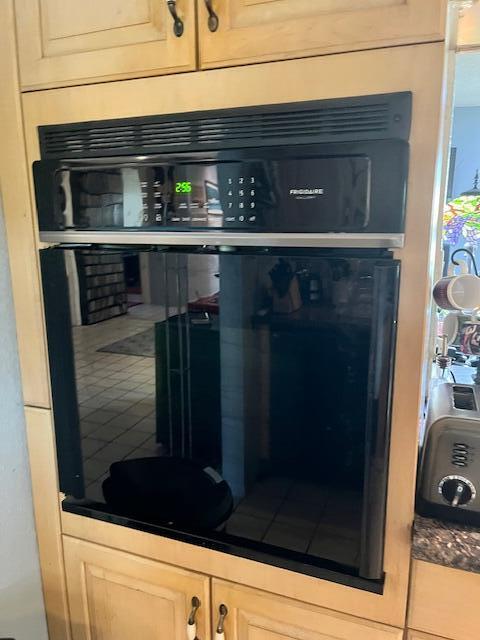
x=177 y=22
x=212 y=16
x=472 y=258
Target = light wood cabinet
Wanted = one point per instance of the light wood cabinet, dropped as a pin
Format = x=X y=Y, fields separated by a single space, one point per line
x=64 y=42
x=119 y=596
x=260 y=30
x=442 y=601
x=257 y=615
x=418 y=635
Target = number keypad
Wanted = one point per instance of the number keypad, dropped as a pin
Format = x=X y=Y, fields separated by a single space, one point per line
x=241 y=204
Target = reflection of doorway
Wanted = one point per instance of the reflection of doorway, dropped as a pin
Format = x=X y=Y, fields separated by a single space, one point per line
x=133 y=279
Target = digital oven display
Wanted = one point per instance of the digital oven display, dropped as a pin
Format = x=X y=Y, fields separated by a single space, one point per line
x=183 y=187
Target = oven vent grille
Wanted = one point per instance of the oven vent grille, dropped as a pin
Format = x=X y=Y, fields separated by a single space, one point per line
x=366 y=118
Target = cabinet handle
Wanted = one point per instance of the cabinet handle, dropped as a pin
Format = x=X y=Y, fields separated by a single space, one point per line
x=212 y=16
x=219 y=631
x=191 y=623
x=177 y=22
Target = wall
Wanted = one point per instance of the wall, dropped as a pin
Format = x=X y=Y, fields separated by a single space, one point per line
x=466 y=139
x=22 y=613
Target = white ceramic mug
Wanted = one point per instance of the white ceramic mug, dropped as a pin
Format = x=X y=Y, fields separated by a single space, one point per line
x=453 y=323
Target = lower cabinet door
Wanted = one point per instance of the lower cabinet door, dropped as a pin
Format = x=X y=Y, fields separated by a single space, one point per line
x=241 y=613
x=119 y=596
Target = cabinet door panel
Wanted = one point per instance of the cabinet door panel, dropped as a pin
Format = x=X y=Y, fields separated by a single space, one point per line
x=256 y=615
x=65 y=42
x=118 y=596
x=258 y=30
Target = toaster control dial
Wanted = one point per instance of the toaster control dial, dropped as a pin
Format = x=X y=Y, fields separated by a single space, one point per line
x=456 y=490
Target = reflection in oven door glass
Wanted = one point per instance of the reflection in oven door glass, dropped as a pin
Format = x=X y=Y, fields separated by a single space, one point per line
x=226 y=393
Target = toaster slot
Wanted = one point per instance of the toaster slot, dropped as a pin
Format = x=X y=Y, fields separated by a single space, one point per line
x=464 y=398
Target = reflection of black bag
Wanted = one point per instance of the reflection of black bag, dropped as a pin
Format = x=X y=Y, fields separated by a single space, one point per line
x=171 y=491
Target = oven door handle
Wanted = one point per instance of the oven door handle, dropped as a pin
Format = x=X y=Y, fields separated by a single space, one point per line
x=378 y=417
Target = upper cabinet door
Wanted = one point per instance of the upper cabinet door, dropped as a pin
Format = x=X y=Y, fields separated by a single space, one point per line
x=245 y=31
x=64 y=42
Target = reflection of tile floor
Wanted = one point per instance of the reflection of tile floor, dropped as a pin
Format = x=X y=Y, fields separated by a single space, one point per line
x=300 y=517
x=116 y=394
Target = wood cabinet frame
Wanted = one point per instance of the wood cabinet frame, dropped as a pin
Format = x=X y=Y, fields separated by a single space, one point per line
x=419 y=69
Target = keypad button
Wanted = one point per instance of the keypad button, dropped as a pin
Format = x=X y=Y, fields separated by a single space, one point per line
x=241 y=180
x=252 y=218
x=252 y=180
x=241 y=218
x=230 y=193
x=252 y=192
x=158 y=217
x=230 y=205
x=241 y=192
x=241 y=205
x=230 y=180
x=252 y=205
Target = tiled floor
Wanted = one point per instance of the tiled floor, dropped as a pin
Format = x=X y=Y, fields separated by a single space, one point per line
x=116 y=396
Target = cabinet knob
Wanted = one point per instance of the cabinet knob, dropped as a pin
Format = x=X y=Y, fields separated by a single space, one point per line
x=191 y=622
x=219 y=631
x=177 y=22
x=212 y=16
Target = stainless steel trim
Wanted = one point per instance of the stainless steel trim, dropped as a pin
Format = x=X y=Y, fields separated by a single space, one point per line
x=216 y=238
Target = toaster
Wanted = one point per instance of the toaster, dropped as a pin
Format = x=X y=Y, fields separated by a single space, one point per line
x=449 y=482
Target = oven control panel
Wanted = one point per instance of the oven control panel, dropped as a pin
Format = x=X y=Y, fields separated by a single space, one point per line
x=342 y=188
x=209 y=196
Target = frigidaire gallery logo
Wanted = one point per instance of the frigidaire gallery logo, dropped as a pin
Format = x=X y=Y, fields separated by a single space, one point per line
x=306 y=193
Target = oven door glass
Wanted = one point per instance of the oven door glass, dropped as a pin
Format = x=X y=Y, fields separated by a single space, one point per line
x=235 y=399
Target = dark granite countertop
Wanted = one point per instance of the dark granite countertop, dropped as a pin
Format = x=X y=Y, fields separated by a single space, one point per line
x=446 y=543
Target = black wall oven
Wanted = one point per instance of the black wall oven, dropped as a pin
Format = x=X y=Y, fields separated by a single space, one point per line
x=221 y=305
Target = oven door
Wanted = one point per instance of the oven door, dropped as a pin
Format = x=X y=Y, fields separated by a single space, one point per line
x=239 y=399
